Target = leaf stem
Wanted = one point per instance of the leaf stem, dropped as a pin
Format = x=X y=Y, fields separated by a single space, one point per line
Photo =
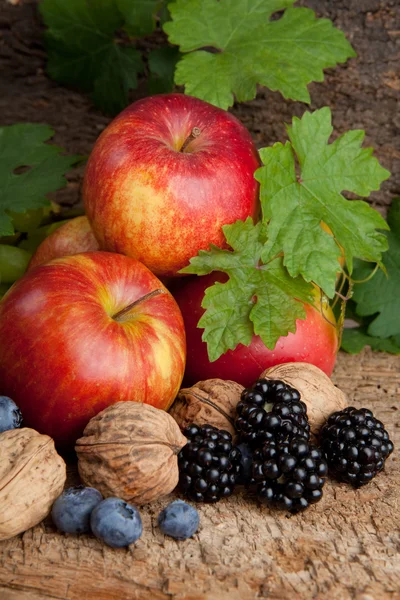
x=344 y=276
x=321 y=306
x=370 y=276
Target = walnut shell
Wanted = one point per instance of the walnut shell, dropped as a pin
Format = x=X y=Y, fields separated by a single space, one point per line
x=32 y=476
x=318 y=392
x=129 y=450
x=212 y=401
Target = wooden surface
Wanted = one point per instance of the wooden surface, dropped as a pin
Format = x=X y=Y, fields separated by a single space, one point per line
x=347 y=546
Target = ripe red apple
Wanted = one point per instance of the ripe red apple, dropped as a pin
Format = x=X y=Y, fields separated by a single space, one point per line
x=82 y=332
x=73 y=237
x=315 y=340
x=164 y=177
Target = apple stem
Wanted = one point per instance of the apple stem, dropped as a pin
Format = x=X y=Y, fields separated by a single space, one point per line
x=194 y=134
x=121 y=313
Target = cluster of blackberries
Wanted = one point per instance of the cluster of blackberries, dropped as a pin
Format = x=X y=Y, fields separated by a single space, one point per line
x=356 y=445
x=271 y=411
x=274 y=458
x=287 y=470
x=288 y=475
x=209 y=464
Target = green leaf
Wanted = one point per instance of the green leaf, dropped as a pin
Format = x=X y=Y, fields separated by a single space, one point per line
x=354 y=340
x=83 y=52
x=111 y=88
x=162 y=63
x=257 y=299
x=247 y=48
x=381 y=294
x=297 y=197
x=140 y=15
x=22 y=148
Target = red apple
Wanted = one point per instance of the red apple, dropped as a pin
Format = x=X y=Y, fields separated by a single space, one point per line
x=73 y=237
x=83 y=332
x=165 y=176
x=315 y=340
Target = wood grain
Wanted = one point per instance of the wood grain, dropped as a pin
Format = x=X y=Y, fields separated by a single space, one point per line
x=345 y=547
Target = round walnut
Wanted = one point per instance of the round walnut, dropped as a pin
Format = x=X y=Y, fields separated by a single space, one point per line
x=129 y=450
x=212 y=401
x=317 y=391
x=32 y=476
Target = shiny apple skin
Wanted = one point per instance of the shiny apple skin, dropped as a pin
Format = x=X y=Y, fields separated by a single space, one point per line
x=73 y=237
x=63 y=358
x=315 y=341
x=147 y=199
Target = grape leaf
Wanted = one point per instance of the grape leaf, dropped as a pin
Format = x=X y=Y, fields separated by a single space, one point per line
x=120 y=69
x=381 y=294
x=83 y=53
x=257 y=299
x=140 y=15
x=354 y=340
x=162 y=63
x=296 y=200
x=22 y=146
x=247 y=48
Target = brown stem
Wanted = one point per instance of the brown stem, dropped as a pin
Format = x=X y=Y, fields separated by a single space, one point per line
x=194 y=134
x=124 y=311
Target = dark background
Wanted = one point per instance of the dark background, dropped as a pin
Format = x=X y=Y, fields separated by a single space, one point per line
x=364 y=93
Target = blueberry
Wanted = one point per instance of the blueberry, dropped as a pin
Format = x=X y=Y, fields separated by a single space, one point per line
x=71 y=511
x=179 y=520
x=116 y=522
x=10 y=415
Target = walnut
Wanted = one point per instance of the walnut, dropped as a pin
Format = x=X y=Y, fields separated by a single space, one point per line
x=32 y=476
x=318 y=392
x=212 y=401
x=129 y=450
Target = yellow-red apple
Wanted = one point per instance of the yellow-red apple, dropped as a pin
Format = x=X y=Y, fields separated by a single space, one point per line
x=73 y=237
x=315 y=340
x=164 y=177
x=82 y=332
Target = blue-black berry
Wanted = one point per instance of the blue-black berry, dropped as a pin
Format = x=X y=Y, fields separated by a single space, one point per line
x=209 y=464
x=356 y=445
x=10 y=415
x=179 y=520
x=289 y=475
x=271 y=410
x=116 y=523
x=71 y=511
x=246 y=462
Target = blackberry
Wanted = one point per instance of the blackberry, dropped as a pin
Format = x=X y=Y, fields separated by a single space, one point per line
x=209 y=464
x=356 y=445
x=271 y=411
x=289 y=475
x=246 y=462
